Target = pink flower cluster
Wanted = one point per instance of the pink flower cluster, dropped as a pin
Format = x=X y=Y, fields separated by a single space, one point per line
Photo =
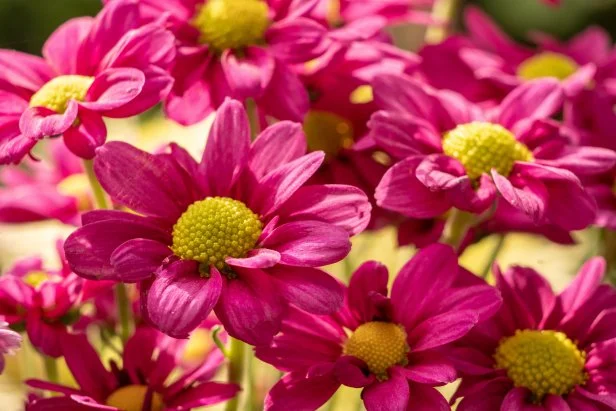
x=322 y=129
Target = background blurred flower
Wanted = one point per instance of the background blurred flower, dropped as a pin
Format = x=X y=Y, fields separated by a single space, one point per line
x=9 y=341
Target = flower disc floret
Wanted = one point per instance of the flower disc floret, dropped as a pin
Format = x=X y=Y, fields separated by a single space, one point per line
x=547 y=64
x=543 y=361
x=327 y=132
x=232 y=24
x=132 y=398
x=481 y=147
x=215 y=228
x=380 y=345
x=56 y=93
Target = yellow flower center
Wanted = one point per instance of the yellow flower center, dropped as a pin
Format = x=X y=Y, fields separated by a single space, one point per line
x=362 y=95
x=35 y=278
x=132 y=397
x=380 y=345
x=56 y=94
x=215 y=228
x=232 y=24
x=544 y=362
x=481 y=147
x=327 y=132
x=547 y=64
x=198 y=346
x=77 y=186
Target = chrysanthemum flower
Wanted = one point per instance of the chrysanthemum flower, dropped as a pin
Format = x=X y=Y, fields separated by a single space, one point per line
x=141 y=383
x=486 y=64
x=92 y=68
x=454 y=154
x=9 y=341
x=395 y=348
x=240 y=49
x=239 y=231
x=55 y=188
x=543 y=351
x=44 y=302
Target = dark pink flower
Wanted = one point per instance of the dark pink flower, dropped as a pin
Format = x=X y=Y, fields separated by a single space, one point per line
x=9 y=341
x=485 y=65
x=239 y=232
x=143 y=382
x=395 y=348
x=92 y=68
x=543 y=351
x=455 y=154
x=44 y=302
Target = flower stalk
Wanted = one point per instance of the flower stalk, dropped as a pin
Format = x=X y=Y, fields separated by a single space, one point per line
x=100 y=198
x=236 y=356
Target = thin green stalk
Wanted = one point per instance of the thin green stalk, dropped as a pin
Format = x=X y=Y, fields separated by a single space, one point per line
x=500 y=243
x=51 y=368
x=236 y=357
x=100 y=198
x=253 y=117
x=124 y=312
x=457 y=225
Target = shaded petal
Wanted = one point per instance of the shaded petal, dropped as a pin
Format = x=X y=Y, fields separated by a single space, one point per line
x=531 y=199
x=138 y=259
x=350 y=372
x=250 y=74
x=91 y=133
x=285 y=98
x=424 y=398
x=388 y=395
x=368 y=280
x=265 y=153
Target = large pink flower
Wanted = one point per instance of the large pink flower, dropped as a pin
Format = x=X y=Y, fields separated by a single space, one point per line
x=543 y=351
x=92 y=68
x=9 y=341
x=454 y=154
x=44 y=302
x=144 y=381
x=395 y=348
x=240 y=49
x=238 y=232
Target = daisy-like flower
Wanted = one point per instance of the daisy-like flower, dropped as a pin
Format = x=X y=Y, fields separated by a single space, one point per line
x=240 y=49
x=43 y=301
x=238 y=232
x=485 y=65
x=92 y=68
x=55 y=188
x=9 y=341
x=145 y=381
x=543 y=351
x=395 y=348
x=457 y=155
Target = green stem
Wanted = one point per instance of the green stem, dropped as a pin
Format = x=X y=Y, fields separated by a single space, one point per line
x=236 y=369
x=100 y=198
x=253 y=117
x=456 y=227
x=51 y=368
x=124 y=312
x=500 y=242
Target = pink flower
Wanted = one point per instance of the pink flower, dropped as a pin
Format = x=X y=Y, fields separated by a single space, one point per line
x=395 y=348
x=240 y=49
x=238 y=232
x=9 y=341
x=44 y=302
x=55 y=188
x=485 y=65
x=148 y=360
x=455 y=154
x=543 y=351
x=92 y=68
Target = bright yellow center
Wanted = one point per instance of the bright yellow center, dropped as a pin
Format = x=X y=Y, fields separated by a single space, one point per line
x=327 y=132
x=481 y=147
x=547 y=64
x=232 y=24
x=35 y=278
x=362 y=95
x=215 y=228
x=544 y=362
x=56 y=94
x=132 y=397
x=77 y=186
x=380 y=345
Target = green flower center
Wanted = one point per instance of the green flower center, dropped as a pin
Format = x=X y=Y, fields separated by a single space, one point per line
x=213 y=229
x=481 y=147
x=132 y=397
x=232 y=24
x=380 y=345
x=327 y=132
x=547 y=64
x=56 y=93
x=544 y=362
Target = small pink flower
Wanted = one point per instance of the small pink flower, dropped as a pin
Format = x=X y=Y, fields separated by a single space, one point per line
x=543 y=351
x=239 y=232
x=92 y=68
x=455 y=154
x=44 y=302
x=393 y=347
x=9 y=341
x=143 y=382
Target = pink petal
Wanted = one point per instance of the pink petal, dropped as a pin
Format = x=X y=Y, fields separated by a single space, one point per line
x=61 y=49
x=431 y=369
x=296 y=392
x=204 y=394
x=389 y=395
x=259 y=258
x=250 y=74
x=350 y=372
x=138 y=259
x=286 y=97
x=23 y=70
x=442 y=329
x=296 y=40
x=530 y=199
x=87 y=136
x=369 y=279
x=583 y=286
x=584 y=161
x=113 y=88
x=39 y=122
x=265 y=153
x=45 y=337
x=535 y=99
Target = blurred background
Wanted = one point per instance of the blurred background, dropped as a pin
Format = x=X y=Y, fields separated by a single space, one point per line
x=25 y=24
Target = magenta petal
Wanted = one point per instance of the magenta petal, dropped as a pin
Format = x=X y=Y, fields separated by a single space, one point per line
x=442 y=329
x=310 y=289
x=535 y=99
x=138 y=259
x=65 y=404
x=297 y=392
x=204 y=394
x=248 y=75
x=350 y=372
x=259 y=258
x=432 y=369
x=296 y=40
x=483 y=299
x=369 y=279
x=530 y=199
x=250 y=307
x=309 y=243
x=114 y=88
x=40 y=122
x=179 y=299
x=87 y=136
x=583 y=286
x=265 y=153
x=424 y=398
x=286 y=97
x=388 y=395
x=584 y=161
x=45 y=337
